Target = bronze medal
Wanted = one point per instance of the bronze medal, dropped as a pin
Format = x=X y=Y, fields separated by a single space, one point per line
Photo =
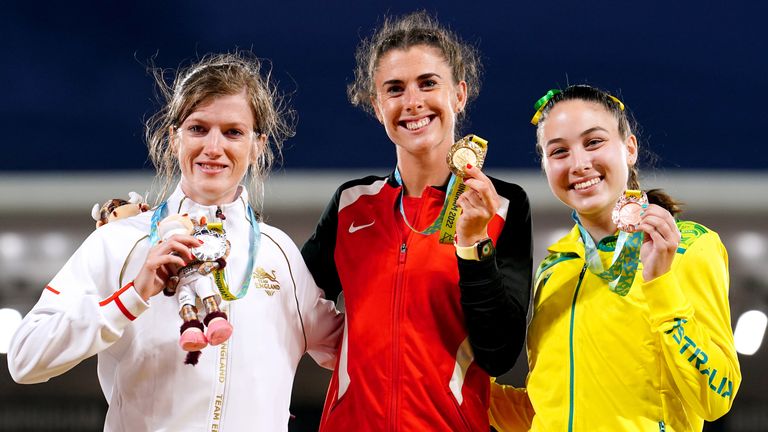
x=629 y=210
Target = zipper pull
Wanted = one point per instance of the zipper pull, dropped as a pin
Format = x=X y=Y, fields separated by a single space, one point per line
x=219 y=213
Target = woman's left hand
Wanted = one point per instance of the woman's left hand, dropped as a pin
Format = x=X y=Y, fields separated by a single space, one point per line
x=478 y=205
x=659 y=242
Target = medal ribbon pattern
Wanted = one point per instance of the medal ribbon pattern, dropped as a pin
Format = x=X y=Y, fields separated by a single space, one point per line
x=626 y=257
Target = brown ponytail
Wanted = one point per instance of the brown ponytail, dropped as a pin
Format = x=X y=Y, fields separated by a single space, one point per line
x=663 y=199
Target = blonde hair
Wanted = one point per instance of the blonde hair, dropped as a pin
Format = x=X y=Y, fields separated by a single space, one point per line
x=212 y=76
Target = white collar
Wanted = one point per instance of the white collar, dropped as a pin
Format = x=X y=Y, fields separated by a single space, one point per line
x=178 y=202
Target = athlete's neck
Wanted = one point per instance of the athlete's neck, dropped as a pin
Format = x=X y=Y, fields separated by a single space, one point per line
x=210 y=199
x=598 y=226
x=418 y=173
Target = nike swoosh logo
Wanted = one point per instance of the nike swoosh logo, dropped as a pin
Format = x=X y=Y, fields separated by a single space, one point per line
x=353 y=228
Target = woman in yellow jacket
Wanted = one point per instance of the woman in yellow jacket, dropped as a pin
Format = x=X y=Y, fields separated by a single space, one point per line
x=631 y=327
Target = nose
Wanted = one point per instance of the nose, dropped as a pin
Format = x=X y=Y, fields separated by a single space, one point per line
x=213 y=144
x=412 y=99
x=582 y=161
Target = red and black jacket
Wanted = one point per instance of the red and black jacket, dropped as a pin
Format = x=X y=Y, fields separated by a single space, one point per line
x=424 y=329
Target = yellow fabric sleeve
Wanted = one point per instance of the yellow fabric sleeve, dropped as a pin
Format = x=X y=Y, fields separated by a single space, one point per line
x=689 y=309
x=510 y=409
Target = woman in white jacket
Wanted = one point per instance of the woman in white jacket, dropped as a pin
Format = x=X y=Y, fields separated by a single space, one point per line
x=217 y=128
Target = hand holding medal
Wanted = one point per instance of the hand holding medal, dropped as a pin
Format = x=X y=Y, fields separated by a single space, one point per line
x=661 y=238
x=627 y=215
x=475 y=199
x=467 y=152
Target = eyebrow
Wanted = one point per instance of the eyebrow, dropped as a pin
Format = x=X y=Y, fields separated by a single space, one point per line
x=586 y=132
x=419 y=78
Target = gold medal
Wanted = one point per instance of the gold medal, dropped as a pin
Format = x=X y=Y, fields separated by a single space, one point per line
x=629 y=210
x=469 y=150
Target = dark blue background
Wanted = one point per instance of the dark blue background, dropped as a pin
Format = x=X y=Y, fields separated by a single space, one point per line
x=75 y=90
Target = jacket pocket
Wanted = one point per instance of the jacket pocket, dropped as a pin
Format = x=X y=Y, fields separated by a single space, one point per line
x=338 y=400
x=459 y=413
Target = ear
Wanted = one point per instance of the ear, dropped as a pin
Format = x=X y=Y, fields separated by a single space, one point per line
x=461 y=97
x=632 y=150
x=376 y=109
x=259 y=143
x=173 y=140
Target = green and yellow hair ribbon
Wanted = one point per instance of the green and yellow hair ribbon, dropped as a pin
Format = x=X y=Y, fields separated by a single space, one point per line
x=541 y=103
x=544 y=100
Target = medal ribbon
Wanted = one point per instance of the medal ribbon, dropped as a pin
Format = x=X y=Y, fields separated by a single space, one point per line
x=218 y=275
x=626 y=256
x=449 y=214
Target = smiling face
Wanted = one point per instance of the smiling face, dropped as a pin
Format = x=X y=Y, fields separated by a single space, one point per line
x=585 y=157
x=215 y=146
x=417 y=101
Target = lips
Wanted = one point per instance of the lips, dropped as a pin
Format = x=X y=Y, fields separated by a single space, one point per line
x=586 y=183
x=210 y=168
x=416 y=124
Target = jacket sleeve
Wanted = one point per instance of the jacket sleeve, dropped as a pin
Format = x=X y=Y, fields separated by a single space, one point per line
x=321 y=322
x=690 y=311
x=495 y=293
x=510 y=409
x=318 y=251
x=80 y=313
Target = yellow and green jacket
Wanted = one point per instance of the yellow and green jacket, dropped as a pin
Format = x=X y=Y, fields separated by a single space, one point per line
x=660 y=358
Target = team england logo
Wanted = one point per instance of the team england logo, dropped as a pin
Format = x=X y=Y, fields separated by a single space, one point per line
x=266 y=281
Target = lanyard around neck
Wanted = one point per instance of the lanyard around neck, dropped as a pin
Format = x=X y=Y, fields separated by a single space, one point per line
x=218 y=275
x=449 y=214
x=626 y=257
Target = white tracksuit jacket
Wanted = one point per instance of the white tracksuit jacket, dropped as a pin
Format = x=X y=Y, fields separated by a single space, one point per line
x=90 y=307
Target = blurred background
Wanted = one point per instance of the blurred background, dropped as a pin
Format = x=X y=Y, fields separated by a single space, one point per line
x=76 y=92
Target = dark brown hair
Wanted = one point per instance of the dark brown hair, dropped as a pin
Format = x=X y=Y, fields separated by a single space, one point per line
x=417 y=28
x=625 y=126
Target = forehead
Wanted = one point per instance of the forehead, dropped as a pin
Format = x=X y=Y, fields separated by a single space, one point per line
x=572 y=117
x=230 y=108
x=413 y=61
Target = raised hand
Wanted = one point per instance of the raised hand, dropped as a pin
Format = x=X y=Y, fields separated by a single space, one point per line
x=478 y=204
x=660 y=240
x=162 y=261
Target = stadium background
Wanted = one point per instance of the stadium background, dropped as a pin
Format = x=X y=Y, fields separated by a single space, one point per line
x=75 y=92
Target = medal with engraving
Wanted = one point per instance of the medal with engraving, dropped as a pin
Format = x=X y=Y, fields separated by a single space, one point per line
x=214 y=244
x=469 y=150
x=629 y=210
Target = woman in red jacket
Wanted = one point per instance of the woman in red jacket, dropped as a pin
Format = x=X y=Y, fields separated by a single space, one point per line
x=427 y=321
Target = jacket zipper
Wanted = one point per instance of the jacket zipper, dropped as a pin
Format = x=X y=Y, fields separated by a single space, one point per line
x=662 y=426
x=396 y=306
x=570 y=349
x=228 y=343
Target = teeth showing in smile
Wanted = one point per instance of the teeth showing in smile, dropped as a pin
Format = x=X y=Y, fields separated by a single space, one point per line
x=210 y=167
x=418 y=124
x=586 y=184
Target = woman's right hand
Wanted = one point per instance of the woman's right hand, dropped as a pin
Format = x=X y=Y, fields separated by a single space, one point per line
x=162 y=261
